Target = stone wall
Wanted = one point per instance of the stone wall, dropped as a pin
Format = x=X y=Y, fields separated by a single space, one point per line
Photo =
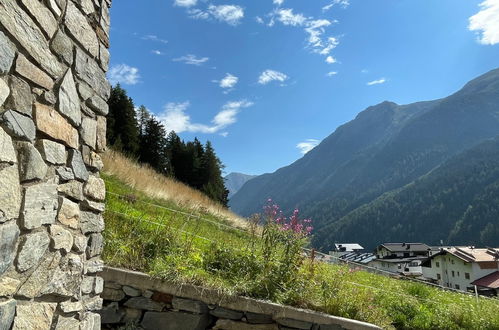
x=134 y=300
x=53 y=92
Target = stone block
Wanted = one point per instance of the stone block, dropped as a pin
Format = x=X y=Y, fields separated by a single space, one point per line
x=295 y=324
x=51 y=123
x=76 y=163
x=67 y=323
x=31 y=164
x=85 y=91
x=62 y=239
x=53 y=152
x=18 y=125
x=132 y=292
x=20 y=99
x=93 y=266
x=10 y=193
x=40 y=278
x=99 y=285
x=31 y=249
x=78 y=26
x=88 y=131
x=71 y=306
x=255 y=318
x=65 y=173
x=113 y=294
x=91 y=222
x=91 y=158
x=175 y=321
x=69 y=213
x=7 y=152
x=80 y=243
x=92 y=303
x=72 y=189
x=31 y=72
x=4 y=91
x=34 y=316
x=112 y=314
x=69 y=101
x=89 y=71
x=87 y=285
x=188 y=305
x=90 y=321
x=95 y=245
x=49 y=98
x=104 y=57
x=144 y=303
x=7 y=313
x=42 y=15
x=9 y=234
x=224 y=313
x=132 y=315
x=7 y=53
x=62 y=46
x=40 y=205
x=233 y=325
x=54 y=7
x=8 y=286
x=94 y=206
x=95 y=188
x=101 y=134
x=161 y=297
x=99 y=105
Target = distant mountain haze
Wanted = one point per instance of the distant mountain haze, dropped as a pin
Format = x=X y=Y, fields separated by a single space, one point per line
x=393 y=153
x=234 y=181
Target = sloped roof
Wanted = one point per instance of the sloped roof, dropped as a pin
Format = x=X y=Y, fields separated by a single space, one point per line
x=349 y=247
x=362 y=258
x=490 y=281
x=471 y=254
x=404 y=247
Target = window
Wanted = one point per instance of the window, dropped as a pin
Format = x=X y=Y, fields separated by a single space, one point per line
x=452 y=273
x=452 y=261
x=458 y=274
x=467 y=276
x=439 y=277
x=457 y=287
x=399 y=266
x=437 y=264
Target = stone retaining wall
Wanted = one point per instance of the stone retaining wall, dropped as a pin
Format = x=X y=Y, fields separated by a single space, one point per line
x=53 y=92
x=134 y=300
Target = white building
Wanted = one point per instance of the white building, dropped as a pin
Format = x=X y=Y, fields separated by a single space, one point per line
x=459 y=267
x=401 y=258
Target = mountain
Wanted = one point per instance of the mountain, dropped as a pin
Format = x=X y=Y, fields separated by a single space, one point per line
x=234 y=181
x=385 y=148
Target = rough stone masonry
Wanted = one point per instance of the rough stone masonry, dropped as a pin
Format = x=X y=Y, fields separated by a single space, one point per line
x=53 y=103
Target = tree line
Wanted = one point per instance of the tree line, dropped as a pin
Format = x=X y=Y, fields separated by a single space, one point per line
x=139 y=134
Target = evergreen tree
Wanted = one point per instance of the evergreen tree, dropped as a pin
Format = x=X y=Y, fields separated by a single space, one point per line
x=152 y=145
x=143 y=115
x=213 y=182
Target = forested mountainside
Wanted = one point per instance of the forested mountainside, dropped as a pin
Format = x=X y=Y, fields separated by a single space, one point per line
x=385 y=148
x=234 y=181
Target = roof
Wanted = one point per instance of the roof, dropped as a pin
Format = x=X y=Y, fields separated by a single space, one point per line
x=362 y=258
x=403 y=247
x=348 y=247
x=471 y=254
x=400 y=260
x=490 y=281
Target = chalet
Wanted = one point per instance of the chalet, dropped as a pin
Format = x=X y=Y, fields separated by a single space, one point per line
x=346 y=248
x=462 y=268
x=401 y=258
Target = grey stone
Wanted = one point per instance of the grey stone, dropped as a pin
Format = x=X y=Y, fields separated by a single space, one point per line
x=147 y=293
x=7 y=152
x=52 y=152
x=43 y=16
x=95 y=188
x=34 y=316
x=4 y=91
x=31 y=164
x=80 y=244
x=67 y=323
x=99 y=285
x=8 y=286
x=91 y=158
x=90 y=72
x=144 y=303
x=224 y=313
x=93 y=266
x=65 y=173
x=80 y=29
x=7 y=313
x=7 y=53
x=78 y=166
x=97 y=104
x=9 y=234
x=49 y=98
x=113 y=294
x=112 y=314
x=40 y=205
x=296 y=324
x=51 y=123
x=31 y=249
x=71 y=306
x=132 y=292
x=85 y=91
x=72 y=189
x=62 y=239
x=188 y=305
x=91 y=222
x=255 y=318
x=69 y=101
x=101 y=133
x=18 y=125
x=175 y=321
x=10 y=193
x=94 y=206
x=92 y=303
x=330 y=327
x=104 y=57
x=88 y=131
x=132 y=315
x=87 y=6
x=25 y=31
x=65 y=280
x=233 y=325
x=31 y=72
x=40 y=278
x=69 y=213
x=95 y=245
x=54 y=7
x=63 y=47
x=87 y=285
x=114 y=285
x=20 y=98
x=90 y=321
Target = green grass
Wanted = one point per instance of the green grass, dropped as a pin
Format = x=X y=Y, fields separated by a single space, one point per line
x=172 y=246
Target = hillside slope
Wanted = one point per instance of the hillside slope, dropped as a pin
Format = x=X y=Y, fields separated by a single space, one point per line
x=385 y=147
x=234 y=181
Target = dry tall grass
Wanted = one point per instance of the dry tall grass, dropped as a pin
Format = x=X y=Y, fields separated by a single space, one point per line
x=155 y=185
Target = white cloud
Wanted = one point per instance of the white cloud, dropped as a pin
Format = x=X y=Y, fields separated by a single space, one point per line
x=287 y=17
x=316 y=29
x=157 y=52
x=153 y=37
x=486 y=22
x=342 y=3
x=259 y=20
x=268 y=76
x=332 y=73
x=224 y=134
x=307 y=145
x=192 y=60
x=185 y=3
x=377 y=82
x=175 y=118
x=123 y=74
x=230 y=14
x=278 y=2
x=364 y=71
x=198 y=14
x=228 y=82
x=330 y=60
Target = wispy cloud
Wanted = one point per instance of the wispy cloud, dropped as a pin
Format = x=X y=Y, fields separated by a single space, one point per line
x=185 y=3
x=157 y=52
x=486 y=22
x=330 y=60
x=341 y=3
x=287 y=17
x=364 y=71
x=230 y=14
x=332 y=73
x=123 y=74
x=153 y=37
x=227 y=83
x=176 y=119
x=278 y=2
x=268 y=76
x=377 y=82
x=192 y=60
x=259 y=20
x=307 y=145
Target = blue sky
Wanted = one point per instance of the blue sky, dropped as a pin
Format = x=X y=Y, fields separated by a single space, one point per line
x=266 y=80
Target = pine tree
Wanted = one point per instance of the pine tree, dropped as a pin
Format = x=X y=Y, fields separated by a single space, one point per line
x=152 y=145
x=213 y=182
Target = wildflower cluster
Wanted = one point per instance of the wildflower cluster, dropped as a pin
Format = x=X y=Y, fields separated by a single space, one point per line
x=292 y=224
